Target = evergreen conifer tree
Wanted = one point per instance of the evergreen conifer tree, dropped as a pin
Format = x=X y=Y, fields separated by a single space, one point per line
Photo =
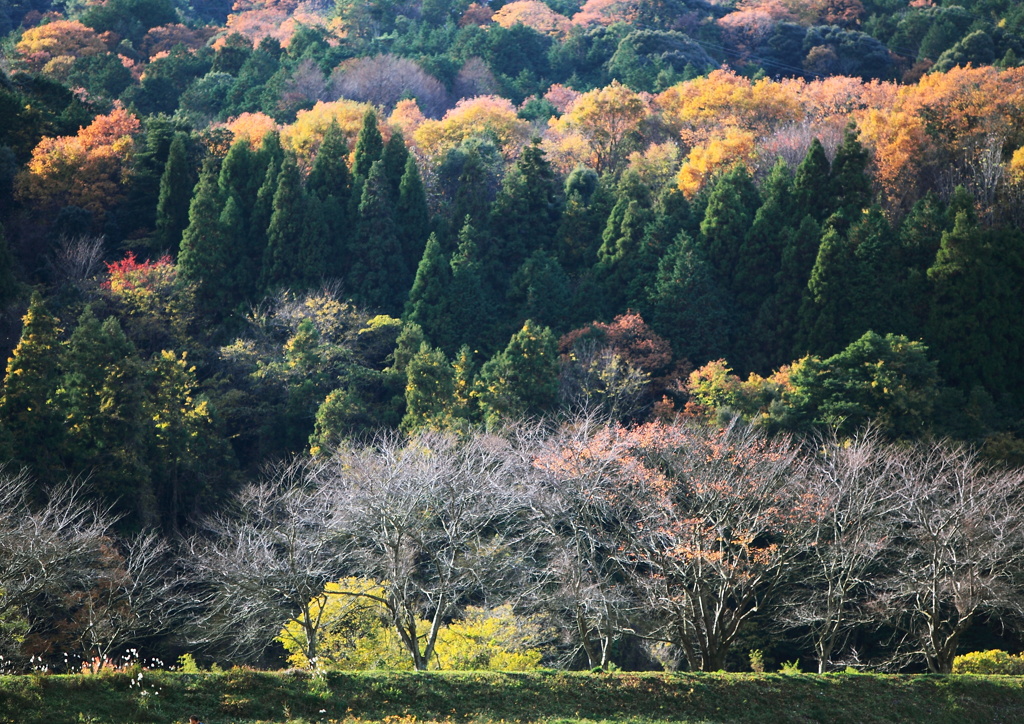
x=377 y=274
x=412 y=217
x=429 y=302
x=369 y=145
x=175 y=196
x=522 y=379
x=31 y=420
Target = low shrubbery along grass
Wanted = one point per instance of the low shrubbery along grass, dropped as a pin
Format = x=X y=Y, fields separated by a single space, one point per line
x=244 y=696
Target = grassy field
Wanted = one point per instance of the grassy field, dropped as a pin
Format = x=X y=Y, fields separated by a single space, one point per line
x=248 y=697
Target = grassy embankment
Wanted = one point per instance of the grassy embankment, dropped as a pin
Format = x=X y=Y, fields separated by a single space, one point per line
x=245 y=697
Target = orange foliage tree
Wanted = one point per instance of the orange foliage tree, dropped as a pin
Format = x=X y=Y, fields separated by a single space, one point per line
x=60 y=38
x=87 y=170
x=533 y=14
x=251 y=127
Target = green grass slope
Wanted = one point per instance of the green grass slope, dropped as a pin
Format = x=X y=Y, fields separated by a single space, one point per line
x=246 y=697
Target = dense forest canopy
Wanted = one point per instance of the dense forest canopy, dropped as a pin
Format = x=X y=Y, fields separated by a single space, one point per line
x=239 y=236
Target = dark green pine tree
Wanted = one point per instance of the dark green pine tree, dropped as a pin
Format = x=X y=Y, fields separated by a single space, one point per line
x=856 y=285
x=471 y=194
x=103 y=397
x=851 y=184
x=540 y=291
x=687 y=306
x=369 y=146
x=377 y=274
x=429 y=390
x=620 y=258
x=880 y=301
x=172 y=205
x=521 y=380
x=920 y=237
x=412 y=216
x=262 y=210
x=474 y=318
x=587 y=206
x=525 y=215
x=206 y=258
x=812 y=185
x=9 y=287
x=758 y=270
x=31 y=421
x=975 y=329
x=825 y=305
x=395 y=157
x=429 y=303
x=331 y=184
x=283 y=262
x=732 y=204
x=780 y=318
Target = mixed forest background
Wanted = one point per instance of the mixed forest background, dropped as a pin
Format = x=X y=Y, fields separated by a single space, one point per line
x=239 y=235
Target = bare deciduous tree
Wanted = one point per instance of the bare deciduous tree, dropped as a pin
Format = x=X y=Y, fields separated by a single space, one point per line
x=850 y=494
x=718 y=540
x=258 y=566
x=438 y=519
x=383 y=80
x=960 y=553
x=583 y=519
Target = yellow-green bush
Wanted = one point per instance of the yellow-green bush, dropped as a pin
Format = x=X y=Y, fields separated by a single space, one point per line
x=989 y=662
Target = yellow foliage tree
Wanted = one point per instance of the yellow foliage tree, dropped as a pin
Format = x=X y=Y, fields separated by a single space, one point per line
x=251 y=127
x=481 y=116
x=609 y=119
x=717 y=154
x=305 y=135
x=354 y=633
x=700 y=108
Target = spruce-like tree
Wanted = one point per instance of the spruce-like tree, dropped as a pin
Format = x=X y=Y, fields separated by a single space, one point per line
x=369 y=145
x=686 y=305
x=206 y=256
x=732 y=204
x=522 y=379
x=172 y=205
x=377 y=273
x=412 y=216
x=812 y=185
x=31 y=420
x=525 y=215
x=283 y=262
x=429 y=304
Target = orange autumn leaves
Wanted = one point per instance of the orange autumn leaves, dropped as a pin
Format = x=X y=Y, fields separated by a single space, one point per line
x=88 y=170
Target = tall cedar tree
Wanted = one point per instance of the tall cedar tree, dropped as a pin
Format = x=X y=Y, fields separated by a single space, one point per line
x=369 y=146
x=758 y=272
x=176 y=186
x=621 y=254
x=430 y=303
x=331 y=184
x=521 y=380
x=471 y=304
x=395 y=156
x=412 y=216
x=206 y=258
x=377 y=276
x=294 y=236
x=812 y=185
x=977 y=305
x=732 y=203
x=587 y=205
x=429 y=391
x=31 y=421
x=103 y=398
x=687 y=306
x=525 y=215
x=851 y=184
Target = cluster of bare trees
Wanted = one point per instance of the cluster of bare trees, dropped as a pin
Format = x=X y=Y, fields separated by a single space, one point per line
x=676 y=535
